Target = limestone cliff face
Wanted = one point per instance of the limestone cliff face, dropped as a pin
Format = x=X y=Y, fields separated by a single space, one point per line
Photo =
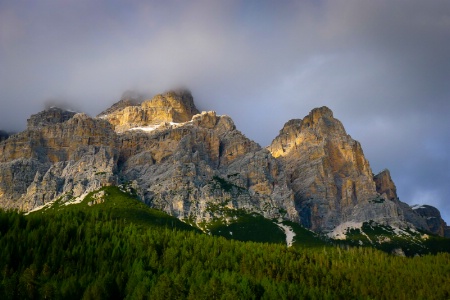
x=433 y=218
x=385 y=184
x=191 y=170
x=49 y=116
x=56 y=156
x=327 y=170
x=169 y=107
x=424 y=217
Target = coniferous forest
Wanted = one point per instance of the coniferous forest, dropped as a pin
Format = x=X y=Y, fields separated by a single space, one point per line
x=137 y=253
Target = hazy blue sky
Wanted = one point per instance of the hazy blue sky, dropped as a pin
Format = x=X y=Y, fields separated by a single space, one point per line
x=382 y=66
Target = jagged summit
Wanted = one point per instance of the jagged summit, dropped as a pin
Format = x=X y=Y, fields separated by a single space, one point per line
x=129 y=98
x=327 y=170
x=119 y=105
x=52 y=115
x=172 y=106
x=385 y=184
x=320 y=112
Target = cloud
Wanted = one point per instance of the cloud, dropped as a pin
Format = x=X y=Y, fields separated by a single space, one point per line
x=382 y=66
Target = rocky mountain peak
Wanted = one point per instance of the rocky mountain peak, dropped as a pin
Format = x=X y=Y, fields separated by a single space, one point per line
x=52 y=115
x=318 y=113
x=179 y=104
x=173 y=106
x=327 y=170
x=119 y=105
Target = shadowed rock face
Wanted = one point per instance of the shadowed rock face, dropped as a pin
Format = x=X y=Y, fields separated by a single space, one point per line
x=385 y=185
x=331 y=179
x=57 y=155
x=424 y=217
x=3 y=135
x=53 y=115
x=433 y=219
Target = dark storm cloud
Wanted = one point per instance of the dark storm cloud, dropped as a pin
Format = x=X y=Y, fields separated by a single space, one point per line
x=382 y=66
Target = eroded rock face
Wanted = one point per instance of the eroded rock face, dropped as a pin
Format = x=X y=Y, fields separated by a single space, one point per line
x=331 y=179
x=385 y=184
x=424 y=217
x=195 y=168
x=433 y=219
x=169 y=107
x=55 y=157
x=53 y=115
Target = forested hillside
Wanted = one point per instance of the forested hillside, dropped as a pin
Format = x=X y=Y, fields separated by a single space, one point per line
x=82 y=253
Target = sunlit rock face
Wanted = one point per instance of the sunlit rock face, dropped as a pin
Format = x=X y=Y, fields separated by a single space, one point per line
x=172 y=106
x=191 y=169
x=328 y=173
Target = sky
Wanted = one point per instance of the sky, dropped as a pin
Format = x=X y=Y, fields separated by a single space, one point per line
x=382 y=66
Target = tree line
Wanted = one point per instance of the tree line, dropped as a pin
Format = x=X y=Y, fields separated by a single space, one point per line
x=91 y=255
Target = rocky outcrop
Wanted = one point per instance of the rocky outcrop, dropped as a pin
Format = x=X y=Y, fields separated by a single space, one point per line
x=169 y=107
x=385 y=185
x=196 y=169
x=128 y=98
x=432 y=217
x=331 y=179
x=423 y=217
x=56 y=157
x=53 y=115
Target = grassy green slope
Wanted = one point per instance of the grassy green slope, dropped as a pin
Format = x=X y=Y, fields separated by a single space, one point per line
x=119 y=205
x=244 y=226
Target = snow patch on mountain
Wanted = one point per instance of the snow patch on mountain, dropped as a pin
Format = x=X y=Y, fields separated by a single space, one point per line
x=151 y=128
x=417 y=206
x=290 y=234
x=76 y=200
x=339 y=233
x=45 y=206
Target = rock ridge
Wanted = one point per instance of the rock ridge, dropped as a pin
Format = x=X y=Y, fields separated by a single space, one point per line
x=194 y=165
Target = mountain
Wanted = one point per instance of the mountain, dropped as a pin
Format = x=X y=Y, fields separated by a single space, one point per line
x=333 y=183
x=329 y=175
x=199 y=168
